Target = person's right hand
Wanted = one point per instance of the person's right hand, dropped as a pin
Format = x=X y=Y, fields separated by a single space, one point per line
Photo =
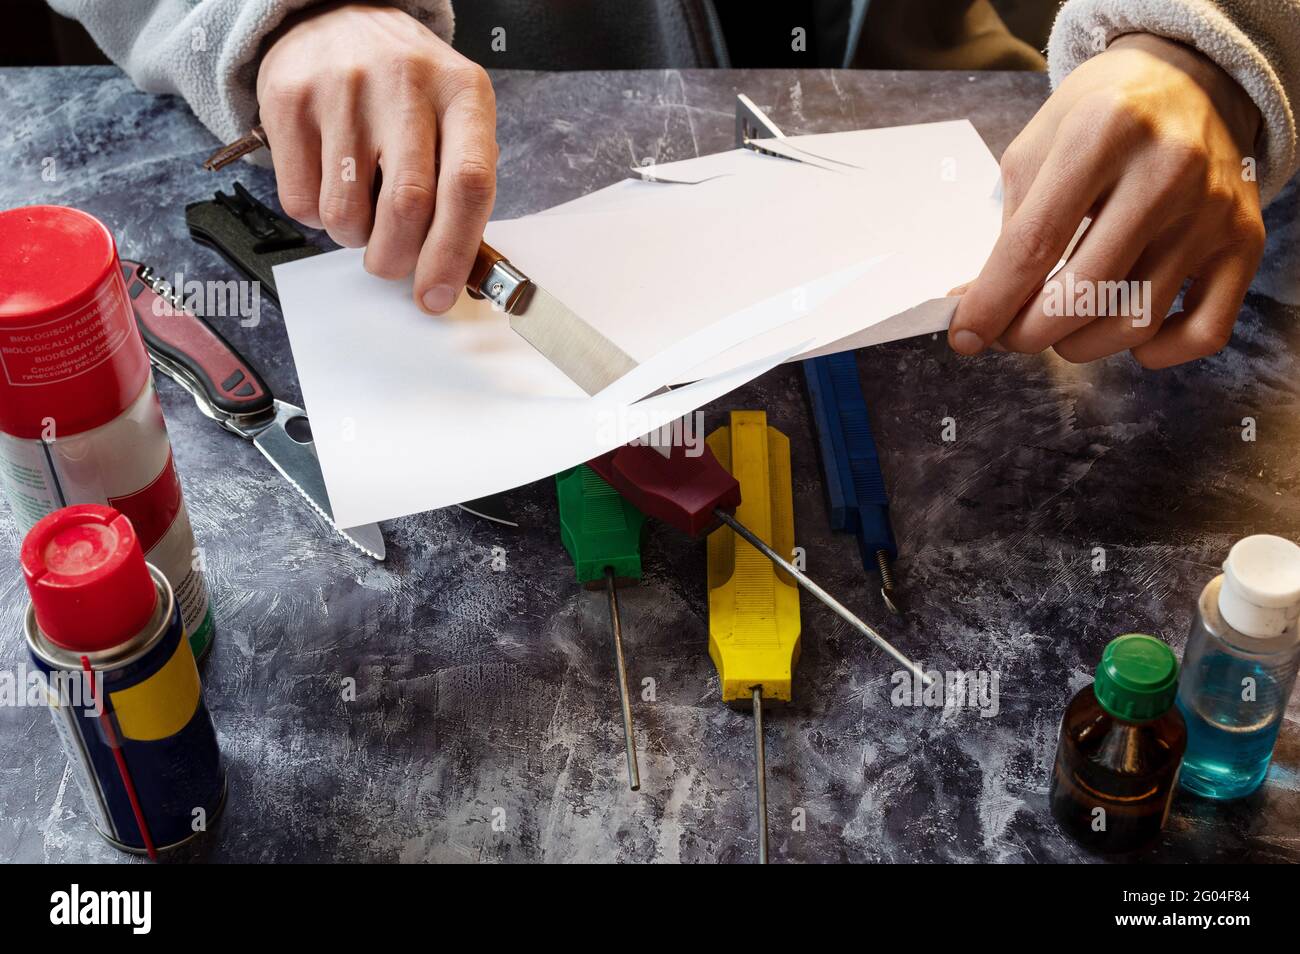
x=347 y=92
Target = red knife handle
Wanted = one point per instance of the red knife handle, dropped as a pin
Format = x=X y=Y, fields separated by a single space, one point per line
x=680 y=490
x=179 y=336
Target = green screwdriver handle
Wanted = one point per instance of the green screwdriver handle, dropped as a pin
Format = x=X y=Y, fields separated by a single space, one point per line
x=598 y=526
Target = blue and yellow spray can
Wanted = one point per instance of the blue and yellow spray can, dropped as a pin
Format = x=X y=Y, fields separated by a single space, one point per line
x=122 y=685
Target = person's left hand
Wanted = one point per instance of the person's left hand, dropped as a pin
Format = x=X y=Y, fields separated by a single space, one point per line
x=1148 y=139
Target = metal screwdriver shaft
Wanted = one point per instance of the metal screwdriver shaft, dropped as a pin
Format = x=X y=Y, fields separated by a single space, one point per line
x=760 y=771
x=856 y=501
x=694 y=493
x=616 y=629
x=754 y=618
x=602 y=533
x=840 y=610
x=888 y=592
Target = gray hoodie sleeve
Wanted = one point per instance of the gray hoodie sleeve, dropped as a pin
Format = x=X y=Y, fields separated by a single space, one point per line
x=206 y=50
x=1256 y=42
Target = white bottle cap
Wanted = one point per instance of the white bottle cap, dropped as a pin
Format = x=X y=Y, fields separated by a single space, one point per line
x=1260 y=596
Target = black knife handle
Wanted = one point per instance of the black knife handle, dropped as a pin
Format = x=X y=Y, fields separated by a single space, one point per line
x=179 y=336
x=250 y=235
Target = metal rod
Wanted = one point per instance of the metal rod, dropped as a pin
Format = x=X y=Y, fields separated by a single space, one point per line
x=760 y=773
x=840 y=610
x=887 y=591
x=616 y=628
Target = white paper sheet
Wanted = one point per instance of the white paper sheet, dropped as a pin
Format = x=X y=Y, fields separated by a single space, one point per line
x=660 y=258
x=411 y=413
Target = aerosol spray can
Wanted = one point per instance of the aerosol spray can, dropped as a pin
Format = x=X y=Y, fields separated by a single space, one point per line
x=121 y=682
x=79 y=419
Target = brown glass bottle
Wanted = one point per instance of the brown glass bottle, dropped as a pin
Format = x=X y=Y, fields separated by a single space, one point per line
x=1122 y=741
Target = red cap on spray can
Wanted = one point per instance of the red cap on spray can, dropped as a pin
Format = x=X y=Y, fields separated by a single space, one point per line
x=70 y=353
x=90 y=586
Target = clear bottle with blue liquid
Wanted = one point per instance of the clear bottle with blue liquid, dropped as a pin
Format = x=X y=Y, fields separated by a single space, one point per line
x=1239 y=667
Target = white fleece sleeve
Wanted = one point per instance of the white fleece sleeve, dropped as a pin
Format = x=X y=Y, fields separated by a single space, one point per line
x=207 y=51
x=1256 y=42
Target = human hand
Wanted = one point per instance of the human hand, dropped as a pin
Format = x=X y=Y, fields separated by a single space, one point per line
x=1148 y=139
x=349 y=91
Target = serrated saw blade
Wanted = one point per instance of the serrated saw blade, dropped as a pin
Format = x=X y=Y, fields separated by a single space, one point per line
x=295 y=458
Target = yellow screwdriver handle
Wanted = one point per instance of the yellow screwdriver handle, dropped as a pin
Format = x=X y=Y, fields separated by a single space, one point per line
x=754 y=606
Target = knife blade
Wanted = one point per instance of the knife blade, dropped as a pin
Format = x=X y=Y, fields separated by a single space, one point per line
x=231 y=392
x=287 y=445
x=587 y=358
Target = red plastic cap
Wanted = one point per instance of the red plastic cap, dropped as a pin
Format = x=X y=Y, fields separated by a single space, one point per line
x=70 y=353
x=89 y=583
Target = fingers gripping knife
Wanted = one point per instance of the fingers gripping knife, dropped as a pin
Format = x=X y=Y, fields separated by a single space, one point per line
x=588 y=358
x=754 y=606
x=602 y=533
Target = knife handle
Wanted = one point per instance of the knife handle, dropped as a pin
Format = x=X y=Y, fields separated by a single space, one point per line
x=181 y=338
x=494 y=278
x=486 y=259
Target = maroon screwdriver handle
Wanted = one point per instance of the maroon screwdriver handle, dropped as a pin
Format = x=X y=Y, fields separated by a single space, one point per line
x=681 y=490
x=183 y=339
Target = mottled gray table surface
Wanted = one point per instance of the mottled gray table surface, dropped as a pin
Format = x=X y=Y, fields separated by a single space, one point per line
x=488 y=693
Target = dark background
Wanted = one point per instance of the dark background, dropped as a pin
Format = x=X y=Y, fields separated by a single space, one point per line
x=36 y=36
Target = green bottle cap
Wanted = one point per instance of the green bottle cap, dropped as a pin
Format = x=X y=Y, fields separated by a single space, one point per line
x=1137 y=678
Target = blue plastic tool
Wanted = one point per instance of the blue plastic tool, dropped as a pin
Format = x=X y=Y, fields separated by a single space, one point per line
x=855 y=487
